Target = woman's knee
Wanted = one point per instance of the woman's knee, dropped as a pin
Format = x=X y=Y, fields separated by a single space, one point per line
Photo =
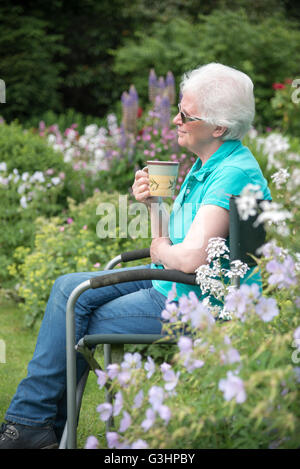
x=65 y=284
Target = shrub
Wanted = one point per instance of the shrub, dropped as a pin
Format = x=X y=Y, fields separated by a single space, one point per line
x=34 y=181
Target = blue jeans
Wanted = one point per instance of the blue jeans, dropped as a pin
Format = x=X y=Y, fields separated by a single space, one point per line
x=132 y=307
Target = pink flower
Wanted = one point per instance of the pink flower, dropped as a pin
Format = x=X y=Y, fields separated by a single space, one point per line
x=61 y=228
x=85 y=228
x=97 y=265
x=69 y=221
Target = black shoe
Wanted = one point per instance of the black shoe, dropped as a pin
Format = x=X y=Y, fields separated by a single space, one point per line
x=17 y=436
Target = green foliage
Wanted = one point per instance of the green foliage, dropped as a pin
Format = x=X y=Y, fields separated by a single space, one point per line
x=36 y=183
x=268 y=51
x=25 y=151
x=285 y=105
x=64 y=245
x=28 y=67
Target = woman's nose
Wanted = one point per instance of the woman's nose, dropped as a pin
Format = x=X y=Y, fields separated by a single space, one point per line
x=177 y=119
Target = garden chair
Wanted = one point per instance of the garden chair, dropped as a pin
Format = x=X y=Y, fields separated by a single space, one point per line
x=244 y=240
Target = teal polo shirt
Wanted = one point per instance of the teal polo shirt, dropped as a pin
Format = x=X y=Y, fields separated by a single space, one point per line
x=225 y=173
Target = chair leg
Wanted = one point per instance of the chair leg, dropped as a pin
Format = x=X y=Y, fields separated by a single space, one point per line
x=79 y=394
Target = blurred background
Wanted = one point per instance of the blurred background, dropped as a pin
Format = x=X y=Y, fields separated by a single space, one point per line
x=63 y=55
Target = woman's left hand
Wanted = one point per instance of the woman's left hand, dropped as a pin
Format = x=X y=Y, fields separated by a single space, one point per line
x=157 y=248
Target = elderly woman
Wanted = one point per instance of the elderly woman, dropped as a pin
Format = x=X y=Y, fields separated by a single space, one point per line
x=216 y=111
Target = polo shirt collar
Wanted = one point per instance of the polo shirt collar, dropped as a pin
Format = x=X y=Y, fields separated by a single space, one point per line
x=200 y=172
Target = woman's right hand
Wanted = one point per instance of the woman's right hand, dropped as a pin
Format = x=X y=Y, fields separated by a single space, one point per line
x=141 y=187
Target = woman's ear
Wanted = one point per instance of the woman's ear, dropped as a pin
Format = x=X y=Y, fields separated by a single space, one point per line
x=219 y=131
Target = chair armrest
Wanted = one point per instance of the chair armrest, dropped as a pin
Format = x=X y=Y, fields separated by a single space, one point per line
x=134 y=255
x=142 y=274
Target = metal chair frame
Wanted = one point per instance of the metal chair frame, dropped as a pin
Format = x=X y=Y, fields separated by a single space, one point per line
x=244 y=239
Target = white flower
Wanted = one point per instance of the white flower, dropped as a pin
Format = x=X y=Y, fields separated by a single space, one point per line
x=55 y=181
x=38 y=176
x=91 y=130
x=280 y=177
x=23 y=202
x=51 y=139
x=247 y=202
x=216 y=248
x=237 y=268
x=272 y=213
x=3 y=166
x=25 y=176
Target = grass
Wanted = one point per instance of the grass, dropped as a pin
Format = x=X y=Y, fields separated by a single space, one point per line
x=19 y=347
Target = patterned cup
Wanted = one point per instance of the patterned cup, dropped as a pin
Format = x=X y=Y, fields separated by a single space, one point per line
x=162 y=177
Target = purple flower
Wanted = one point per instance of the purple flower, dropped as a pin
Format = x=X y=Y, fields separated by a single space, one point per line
x=124 y=377
x=233 y=387
x=150 y=367
x=113 y=370
x=149 y=420
x=156 y=396
x=164 y=413
x=91 y=443
x=112 y=439
x=282 y=273
x=125 y=422
x=201 y=317
x=238 y=300
x=102 y=378
x=172 y=293
x=170 y=313
x=131 y=360
x=296 y=334
x=169 y=376
x=230 y=356
x=187 y=304
x=138 y=400
x=105 y=411
x=267 y=309
x=139 y=444
x=185 y=344
x=118 y=403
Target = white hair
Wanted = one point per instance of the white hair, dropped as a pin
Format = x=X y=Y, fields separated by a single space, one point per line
x=224 y=97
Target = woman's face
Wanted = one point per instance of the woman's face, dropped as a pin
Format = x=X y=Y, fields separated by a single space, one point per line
x=197 y=135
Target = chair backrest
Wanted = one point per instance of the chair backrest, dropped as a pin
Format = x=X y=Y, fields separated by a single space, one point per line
x=244 y=238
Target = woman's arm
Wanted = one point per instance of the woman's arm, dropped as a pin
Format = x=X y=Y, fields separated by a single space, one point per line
x=211 y=221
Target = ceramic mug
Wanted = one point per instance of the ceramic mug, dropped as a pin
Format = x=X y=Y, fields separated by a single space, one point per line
x=162 y=177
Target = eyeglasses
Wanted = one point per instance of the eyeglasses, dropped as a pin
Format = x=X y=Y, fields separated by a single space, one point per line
x=186 y=118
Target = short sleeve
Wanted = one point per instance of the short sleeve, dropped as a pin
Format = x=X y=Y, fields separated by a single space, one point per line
x=229 y=181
